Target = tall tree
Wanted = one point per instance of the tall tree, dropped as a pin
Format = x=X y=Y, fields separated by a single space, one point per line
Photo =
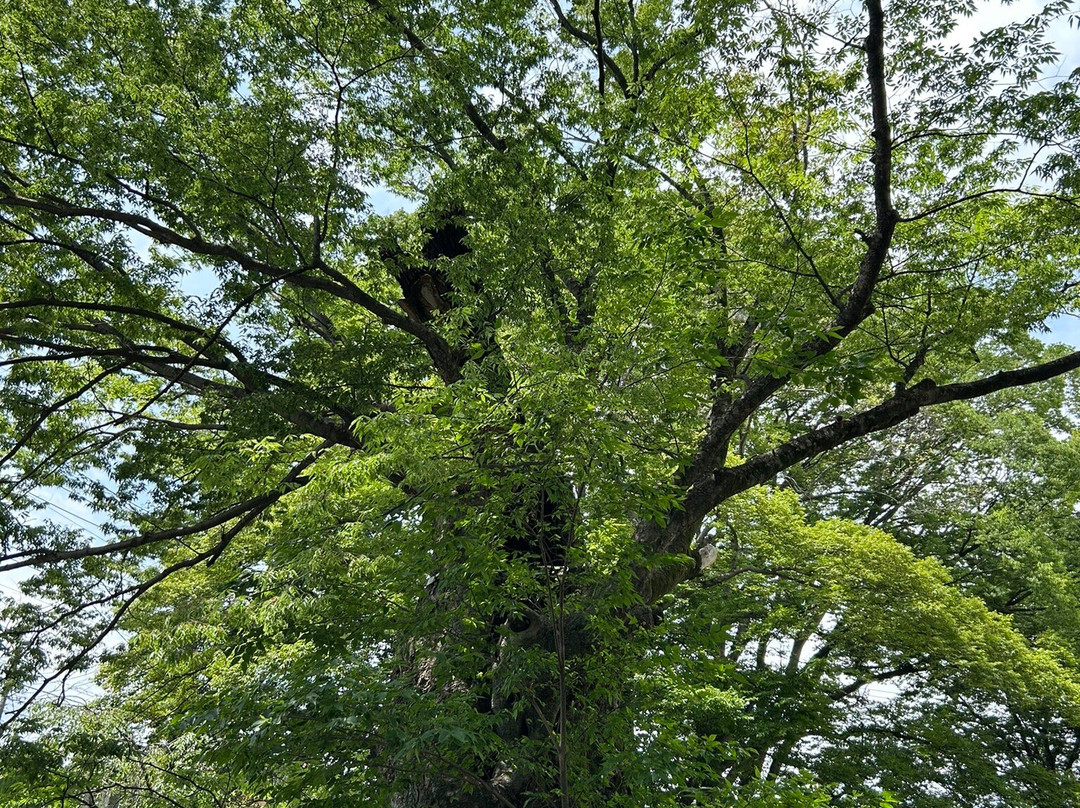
x=412 y=508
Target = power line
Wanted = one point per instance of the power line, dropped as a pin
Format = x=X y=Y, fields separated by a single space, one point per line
x=95 y=526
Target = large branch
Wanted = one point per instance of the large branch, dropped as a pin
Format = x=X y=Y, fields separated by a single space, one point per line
x=332 y=281
x=724 y=483
x=895 y=410
x=726 y=420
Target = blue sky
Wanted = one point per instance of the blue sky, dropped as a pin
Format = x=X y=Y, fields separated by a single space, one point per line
x=1066 y=330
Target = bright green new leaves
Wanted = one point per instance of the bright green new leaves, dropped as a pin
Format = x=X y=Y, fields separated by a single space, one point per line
x=837 y=634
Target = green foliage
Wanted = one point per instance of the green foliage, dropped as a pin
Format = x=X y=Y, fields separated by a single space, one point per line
x=672 y=275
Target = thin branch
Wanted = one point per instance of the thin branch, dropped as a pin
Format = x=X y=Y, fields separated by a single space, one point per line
x=28 y=435
x=599 y=50
x=421 y=47
x=248 y=509
x=112 y=308
x=952 y=203
x=593 y=44
x=857 y=307
x=334 y=282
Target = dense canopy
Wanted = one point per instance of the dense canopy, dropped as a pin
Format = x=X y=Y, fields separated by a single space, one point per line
x=489 y=403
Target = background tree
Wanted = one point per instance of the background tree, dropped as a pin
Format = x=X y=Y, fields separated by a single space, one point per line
x=448 y=551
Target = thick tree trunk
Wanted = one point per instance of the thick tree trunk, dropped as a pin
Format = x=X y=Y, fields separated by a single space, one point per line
x=527 y=716
x=430 y=792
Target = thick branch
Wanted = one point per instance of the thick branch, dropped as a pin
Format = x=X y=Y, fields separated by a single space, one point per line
x=857 y=307
x=724 y=483
x=333 y=282
x=889 y=413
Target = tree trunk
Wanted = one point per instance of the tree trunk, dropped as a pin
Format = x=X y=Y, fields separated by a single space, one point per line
x=531 y=716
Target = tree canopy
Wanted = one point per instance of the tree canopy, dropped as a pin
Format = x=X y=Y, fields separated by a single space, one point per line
x=625 y=403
